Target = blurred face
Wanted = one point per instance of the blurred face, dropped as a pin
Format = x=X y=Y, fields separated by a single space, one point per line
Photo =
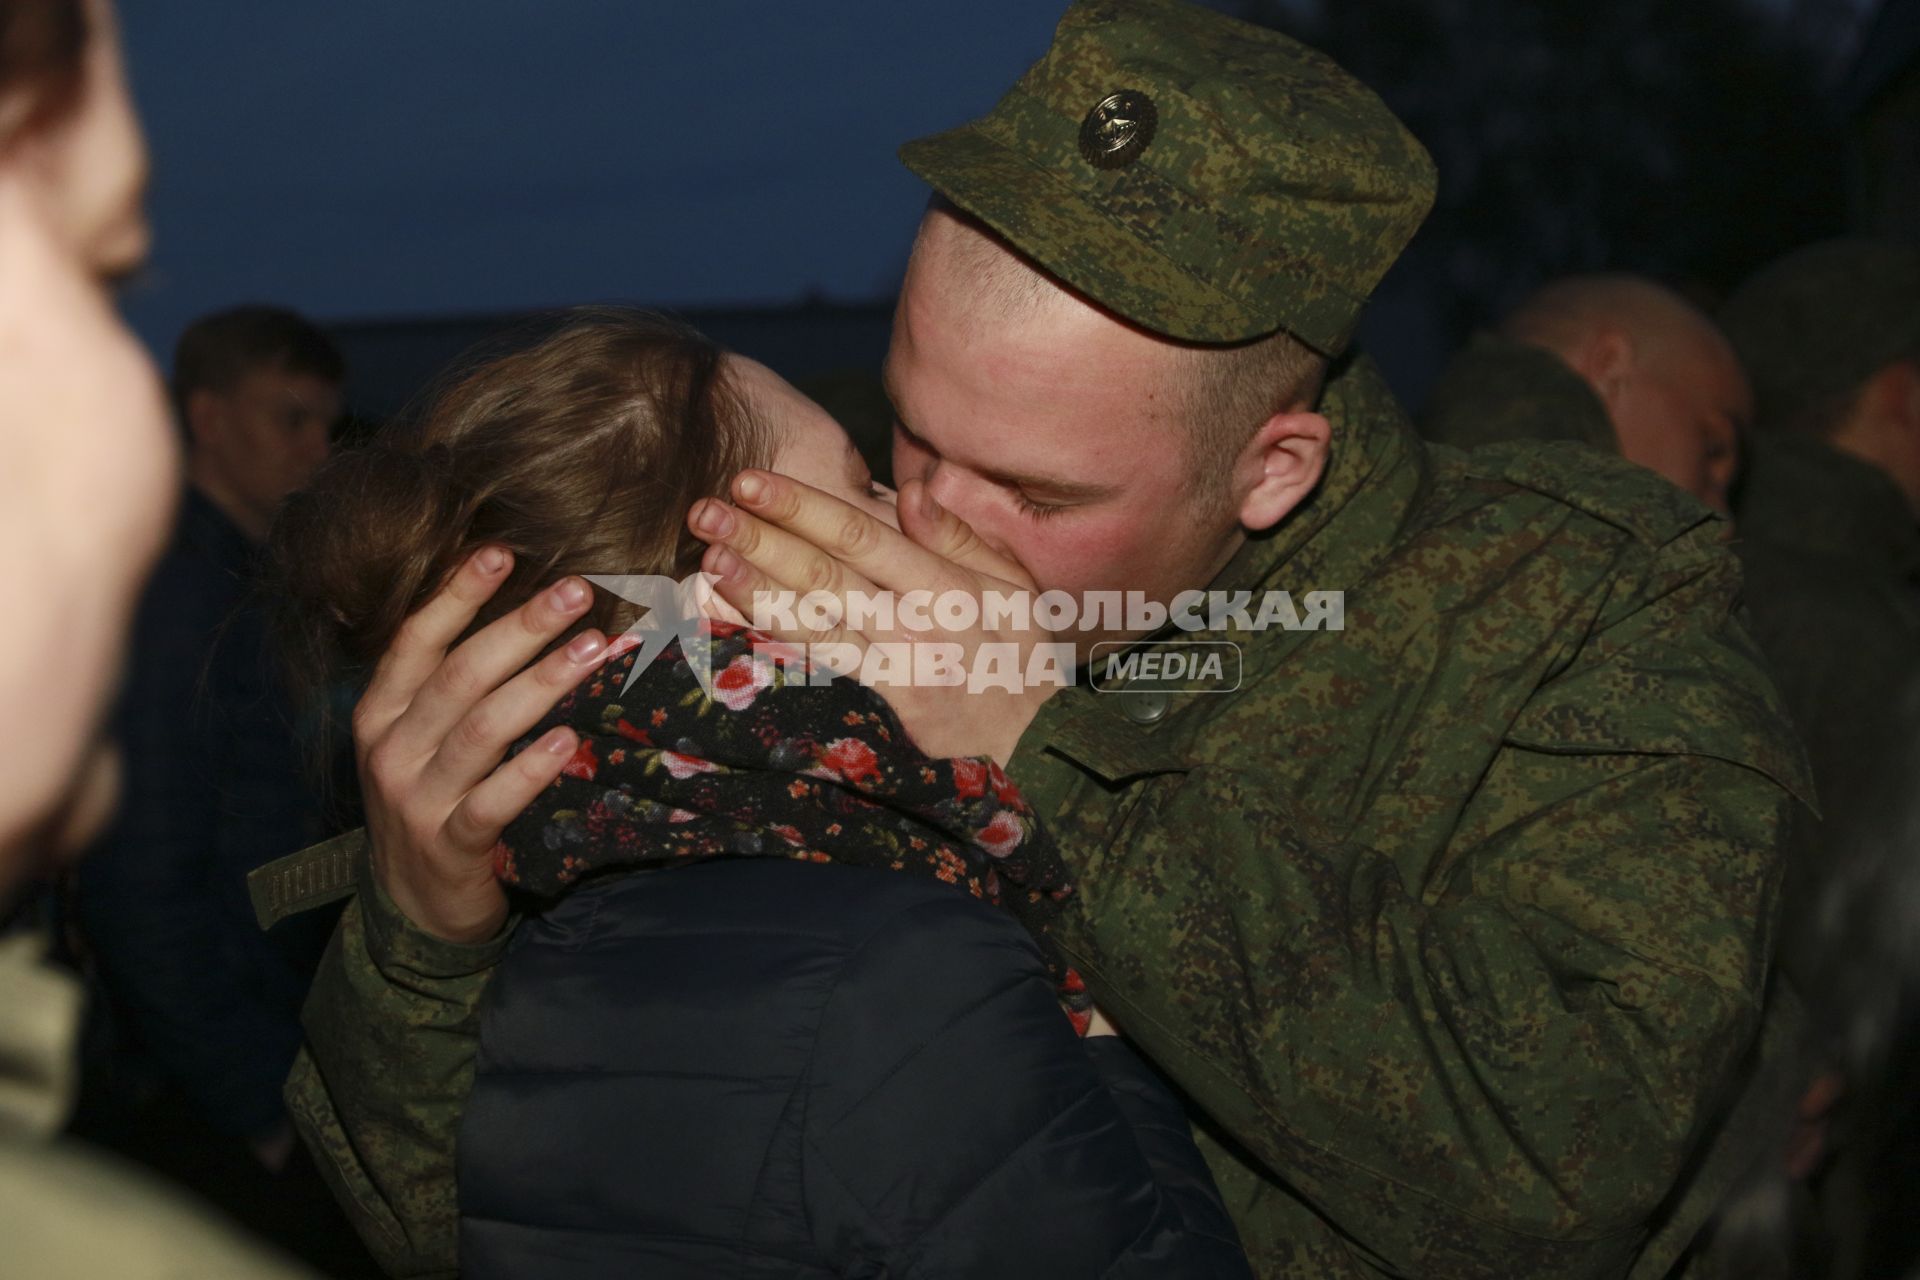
x=1054 y=435
x=255 y=444
x=88 y=170
x=88 y=462
x=1680 y=413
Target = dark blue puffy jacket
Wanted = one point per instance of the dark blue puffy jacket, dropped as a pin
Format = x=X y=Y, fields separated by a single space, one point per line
x=775 y=1069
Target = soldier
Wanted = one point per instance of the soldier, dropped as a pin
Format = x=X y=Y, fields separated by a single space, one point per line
x=1616 y=362
x=1831 y=338
x=1453 y=924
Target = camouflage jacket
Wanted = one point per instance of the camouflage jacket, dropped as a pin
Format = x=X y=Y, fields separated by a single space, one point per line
x=1496 y=391
x=1453 y=924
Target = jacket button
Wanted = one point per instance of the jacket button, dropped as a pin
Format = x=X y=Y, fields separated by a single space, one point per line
x=1145 y=708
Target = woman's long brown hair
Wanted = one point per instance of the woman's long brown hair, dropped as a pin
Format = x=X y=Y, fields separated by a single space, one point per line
x=579 y=454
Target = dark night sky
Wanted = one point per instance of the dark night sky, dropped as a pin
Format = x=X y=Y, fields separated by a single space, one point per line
x=372 y=158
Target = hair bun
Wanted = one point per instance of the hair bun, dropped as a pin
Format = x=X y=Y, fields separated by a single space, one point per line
x=362 y=546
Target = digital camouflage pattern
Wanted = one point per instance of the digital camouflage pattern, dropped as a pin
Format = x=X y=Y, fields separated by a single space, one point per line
x=1815 y=325
x=378 y=1091
x=1272 y=192
x=1497 y=390
x=1452 y=924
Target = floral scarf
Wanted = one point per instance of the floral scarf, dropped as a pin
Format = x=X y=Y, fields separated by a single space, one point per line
x=773 y=765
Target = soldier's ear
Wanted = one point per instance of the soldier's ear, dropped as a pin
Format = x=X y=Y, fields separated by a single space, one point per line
x=1605 y=360
x=1284 y=461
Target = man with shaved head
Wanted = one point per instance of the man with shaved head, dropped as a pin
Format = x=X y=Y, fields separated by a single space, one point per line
x=1614 y=361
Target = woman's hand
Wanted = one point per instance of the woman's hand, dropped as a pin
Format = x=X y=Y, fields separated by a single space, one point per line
x=782 y=537
x=433 y=726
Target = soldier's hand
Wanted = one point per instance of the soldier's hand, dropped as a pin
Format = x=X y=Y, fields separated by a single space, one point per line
x=780 y=535
x=433 y=727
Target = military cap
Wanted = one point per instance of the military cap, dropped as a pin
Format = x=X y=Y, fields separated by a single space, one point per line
x=1207 y=179
x=1816 y=324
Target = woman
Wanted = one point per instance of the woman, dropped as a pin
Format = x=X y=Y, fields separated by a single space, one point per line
x=707 y=1053
x=87 y=477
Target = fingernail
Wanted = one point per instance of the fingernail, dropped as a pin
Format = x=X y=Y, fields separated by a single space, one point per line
x=714 y=520
x=722 y=563
x=750 y=488
x=586 y=646
x=560 y=743
x=491 y=560
x=570 y=595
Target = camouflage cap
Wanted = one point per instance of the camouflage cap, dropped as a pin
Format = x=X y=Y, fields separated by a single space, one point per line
x=1207 y=179
x=1819 y=322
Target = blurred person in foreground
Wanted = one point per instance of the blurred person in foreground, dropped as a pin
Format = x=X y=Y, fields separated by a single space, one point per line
x=1452 y=923
x=1613 y=361
x=204 y=1008
x=89 y=465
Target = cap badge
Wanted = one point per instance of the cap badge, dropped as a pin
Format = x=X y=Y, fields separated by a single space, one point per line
x=1118 y=129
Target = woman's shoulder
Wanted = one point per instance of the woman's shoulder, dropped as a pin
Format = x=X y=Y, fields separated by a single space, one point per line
x=764 y=952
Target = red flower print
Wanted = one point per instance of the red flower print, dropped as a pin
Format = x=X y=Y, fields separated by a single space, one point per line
x=741 y=682
x=791 y=834
x=970 y=778
x=849 y=759
x=1002 y=835
x=583 y=765
x=627 y=730
x=686 y=766
x=658 y=718
x=1003 y=789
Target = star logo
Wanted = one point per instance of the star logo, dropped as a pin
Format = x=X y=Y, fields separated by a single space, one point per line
x=669 y=611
